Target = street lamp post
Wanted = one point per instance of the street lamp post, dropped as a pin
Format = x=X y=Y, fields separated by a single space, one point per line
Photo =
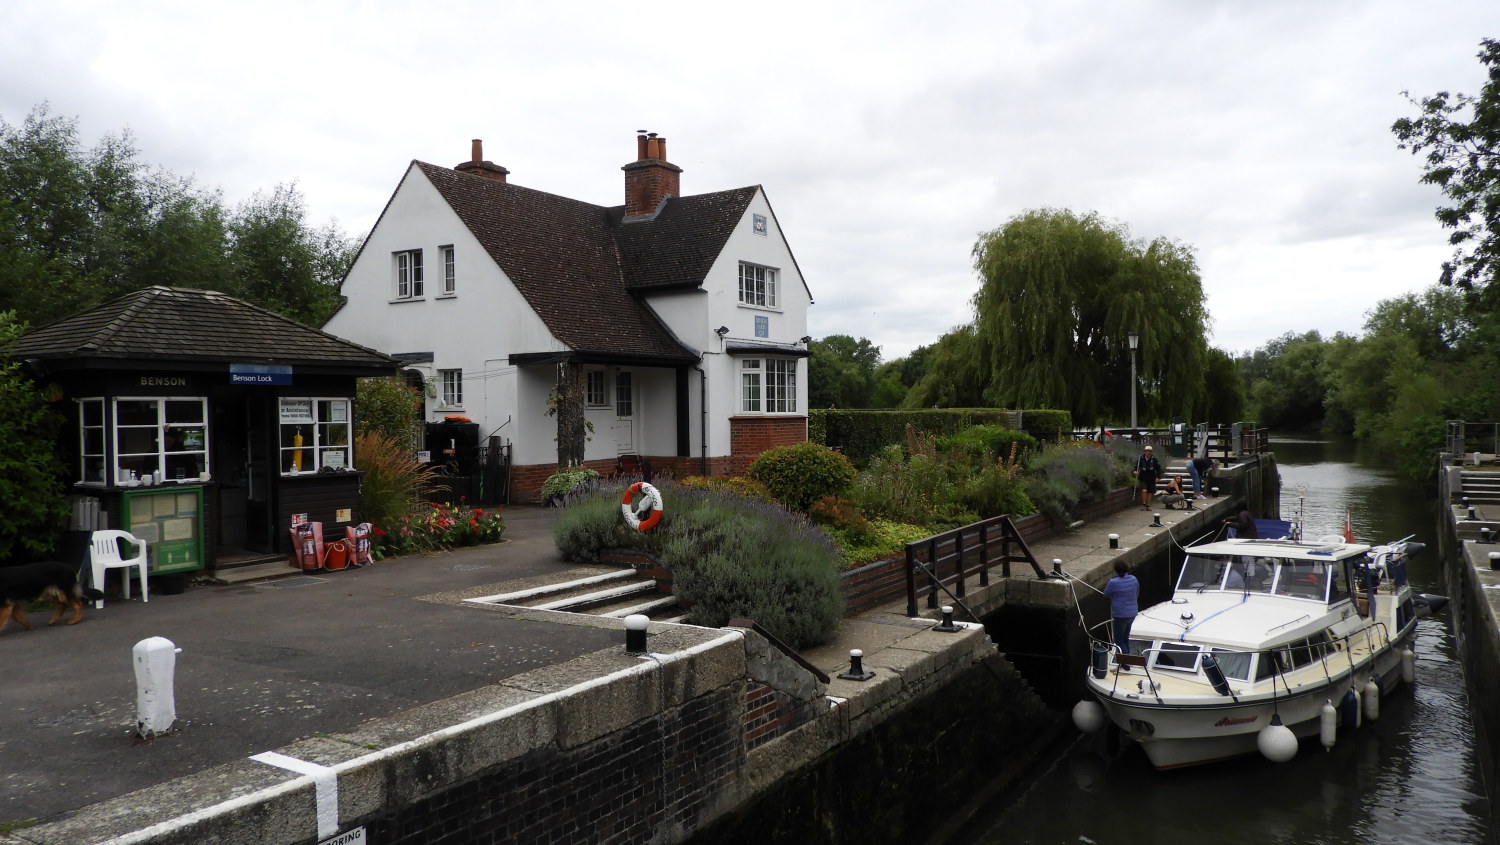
x=1135 y=340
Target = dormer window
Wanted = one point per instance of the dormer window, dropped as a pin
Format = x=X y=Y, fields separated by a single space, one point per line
x=758 y=286
x=408 y=265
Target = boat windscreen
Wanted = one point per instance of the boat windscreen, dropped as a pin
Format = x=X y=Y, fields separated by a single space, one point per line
x=1232 y=573
x=1307 y=579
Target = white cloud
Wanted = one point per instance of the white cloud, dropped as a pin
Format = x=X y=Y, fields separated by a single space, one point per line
x=888 y=135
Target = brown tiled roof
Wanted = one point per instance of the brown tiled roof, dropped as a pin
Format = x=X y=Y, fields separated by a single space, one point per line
x=179 y=324
x=578 y=265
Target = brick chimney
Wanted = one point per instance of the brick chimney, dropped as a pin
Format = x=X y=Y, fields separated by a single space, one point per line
x=479 y=167
x=650 y=178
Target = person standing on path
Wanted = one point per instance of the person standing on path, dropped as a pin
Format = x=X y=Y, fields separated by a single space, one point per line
x=1147 y=470
x=1123 y=592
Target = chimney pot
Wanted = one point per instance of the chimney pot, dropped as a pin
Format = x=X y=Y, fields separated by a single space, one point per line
x=640 y=145
x=650 y=179
x=477 y=150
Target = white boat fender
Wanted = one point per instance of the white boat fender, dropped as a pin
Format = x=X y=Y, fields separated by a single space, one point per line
x=1328 y=725
x=1101 y=661
x=1215 y=674
x=1349 y=710
x=1088 y=716
x=1371 y=696
x=1408 y=666
x=1276 y=741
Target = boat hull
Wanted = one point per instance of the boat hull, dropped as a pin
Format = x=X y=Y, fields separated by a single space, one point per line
x=1176 y=735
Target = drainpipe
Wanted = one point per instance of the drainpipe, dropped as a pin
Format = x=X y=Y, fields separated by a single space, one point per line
x=703 y=420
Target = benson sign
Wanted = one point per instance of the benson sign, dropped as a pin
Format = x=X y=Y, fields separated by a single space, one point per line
x=260 y=374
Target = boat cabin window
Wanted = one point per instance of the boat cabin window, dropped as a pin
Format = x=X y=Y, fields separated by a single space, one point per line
x=1177 y=656
x=1232 y=573
x=1301 y=579
x=1338 y=583
x=1234 y=664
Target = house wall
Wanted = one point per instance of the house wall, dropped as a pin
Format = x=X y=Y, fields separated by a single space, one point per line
x=473 y=330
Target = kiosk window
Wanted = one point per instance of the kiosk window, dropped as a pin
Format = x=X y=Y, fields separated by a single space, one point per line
x=314 y=435
x=151 y=434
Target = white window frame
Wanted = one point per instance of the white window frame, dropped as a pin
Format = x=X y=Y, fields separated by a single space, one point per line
x=451 y=388
x=450 y=271
x=624 y=394
x=325 y=424
x=596 y=388
x=758 y=286
x=91 y=464
x=407 y=266
x=768 y=385
x=146 y=461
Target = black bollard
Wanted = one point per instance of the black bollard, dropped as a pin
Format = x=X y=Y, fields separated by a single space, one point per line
x=856 y=667
x=1114 y=541
x=1495 y=561
x=635 y=633
x=1057 y=571
x=1156 y=520
x=947 y=625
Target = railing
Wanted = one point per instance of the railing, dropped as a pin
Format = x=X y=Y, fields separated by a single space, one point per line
x=977 y=546
x=1461 y=436
x=1223 y=441
x=780 y=646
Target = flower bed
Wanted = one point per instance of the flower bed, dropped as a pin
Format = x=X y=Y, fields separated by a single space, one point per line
x=440 y=527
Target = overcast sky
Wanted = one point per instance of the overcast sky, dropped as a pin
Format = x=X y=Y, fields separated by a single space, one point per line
x=888 y=136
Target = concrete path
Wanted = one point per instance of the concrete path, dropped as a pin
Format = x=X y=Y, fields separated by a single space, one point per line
x=265 y=665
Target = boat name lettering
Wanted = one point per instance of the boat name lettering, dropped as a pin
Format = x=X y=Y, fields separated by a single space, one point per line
x=1242 y=720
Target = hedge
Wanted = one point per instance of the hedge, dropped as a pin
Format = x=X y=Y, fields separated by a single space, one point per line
x=861 y=434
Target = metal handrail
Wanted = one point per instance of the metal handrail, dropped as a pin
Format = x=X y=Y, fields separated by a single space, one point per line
x=782 y=647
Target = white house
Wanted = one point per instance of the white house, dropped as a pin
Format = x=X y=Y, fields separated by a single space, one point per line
x=688 y=314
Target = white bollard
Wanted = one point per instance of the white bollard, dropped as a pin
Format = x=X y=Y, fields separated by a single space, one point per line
x=155 y=704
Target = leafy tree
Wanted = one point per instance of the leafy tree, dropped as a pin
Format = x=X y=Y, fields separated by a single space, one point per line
x=1059 y=294
x=78 y=227
x=1460 y=136
x=1225 y=391
x=841 y=372
x=390 y=407
x=30 y=475
x=1287 y=389
x=955 y=376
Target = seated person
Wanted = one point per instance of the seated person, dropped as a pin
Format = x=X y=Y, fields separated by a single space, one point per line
x=1172 y=494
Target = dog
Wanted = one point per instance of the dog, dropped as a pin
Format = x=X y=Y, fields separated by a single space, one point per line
x=46 y=581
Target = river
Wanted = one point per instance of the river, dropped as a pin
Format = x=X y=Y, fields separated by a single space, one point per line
x=1413 y=776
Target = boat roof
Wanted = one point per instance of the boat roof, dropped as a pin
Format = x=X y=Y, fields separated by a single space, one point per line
x=1232 y=620
x=1289 y=549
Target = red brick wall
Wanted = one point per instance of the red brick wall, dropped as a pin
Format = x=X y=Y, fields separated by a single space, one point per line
x=749 y=436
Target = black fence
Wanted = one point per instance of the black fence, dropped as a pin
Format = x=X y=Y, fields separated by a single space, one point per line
x=477 y=476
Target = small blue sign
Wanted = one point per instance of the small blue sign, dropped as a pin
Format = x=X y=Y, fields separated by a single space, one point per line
x=762 y=326
x=261 y=374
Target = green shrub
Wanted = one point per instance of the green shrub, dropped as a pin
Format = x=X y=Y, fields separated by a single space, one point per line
x=1071 y=474
x=802 y=473
x=983 y=444
x=569 y=482
x=884 y=539
x=389 y=406
x=729 y=556
x=861 y=434
x=31 y=475
x=1051 y=426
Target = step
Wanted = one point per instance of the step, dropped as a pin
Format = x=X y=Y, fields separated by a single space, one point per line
x=561 y=588
x=255 y=572
x=646 y=608
x=598 y=597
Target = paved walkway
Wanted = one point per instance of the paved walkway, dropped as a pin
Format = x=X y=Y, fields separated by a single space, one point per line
x=265 y=665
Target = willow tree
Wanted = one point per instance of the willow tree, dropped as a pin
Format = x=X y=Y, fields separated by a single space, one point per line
x=1059 y=295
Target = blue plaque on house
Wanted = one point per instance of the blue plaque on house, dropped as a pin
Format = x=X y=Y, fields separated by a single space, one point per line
x=762 y=326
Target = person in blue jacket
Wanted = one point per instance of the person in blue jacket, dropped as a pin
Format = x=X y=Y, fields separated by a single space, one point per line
x=1123 y=592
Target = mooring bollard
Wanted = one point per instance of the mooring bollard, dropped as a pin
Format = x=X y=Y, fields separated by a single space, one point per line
x=856 y=667
x=155 y=702
x=635 y=633
x=1215 y=491
x=1057 y=567
x=1471 y=515
x=1114 y=541
x=1495 y=561
x=1156 y=520
x=1484 y=534
x=947 y=625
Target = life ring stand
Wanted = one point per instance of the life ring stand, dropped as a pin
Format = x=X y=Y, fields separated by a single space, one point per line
x=650 y=501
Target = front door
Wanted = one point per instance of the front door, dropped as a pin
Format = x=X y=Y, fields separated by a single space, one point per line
x=260 y=471
x=624 y=424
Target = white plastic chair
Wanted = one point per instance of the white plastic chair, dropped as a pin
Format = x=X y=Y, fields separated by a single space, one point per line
x=105 y=555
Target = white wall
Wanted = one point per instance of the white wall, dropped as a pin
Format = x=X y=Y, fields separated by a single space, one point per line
x=474 y=330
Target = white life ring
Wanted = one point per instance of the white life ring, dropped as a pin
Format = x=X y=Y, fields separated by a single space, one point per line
x=650 y=502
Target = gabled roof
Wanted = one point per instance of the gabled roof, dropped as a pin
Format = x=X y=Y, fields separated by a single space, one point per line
x=580 y=266
x=184 y=325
